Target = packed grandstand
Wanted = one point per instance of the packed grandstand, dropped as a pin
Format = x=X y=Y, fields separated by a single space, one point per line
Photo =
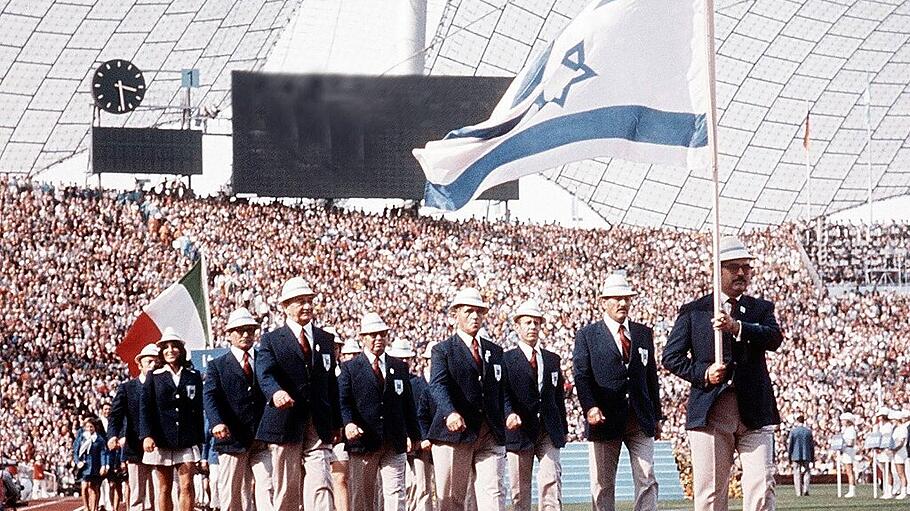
x=77 y=265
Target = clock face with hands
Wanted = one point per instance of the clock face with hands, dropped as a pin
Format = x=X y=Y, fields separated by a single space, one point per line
x=118 y=86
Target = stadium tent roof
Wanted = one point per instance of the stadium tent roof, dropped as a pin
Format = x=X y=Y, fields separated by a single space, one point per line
x=49 y=49
x=773 y=56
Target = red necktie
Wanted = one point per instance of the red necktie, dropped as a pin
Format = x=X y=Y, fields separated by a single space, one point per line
x=475 y=352
x=378 y=372
x=626 y=344
x=534 y=361
x=247 y=368
x=732 y=302
x=305 y=346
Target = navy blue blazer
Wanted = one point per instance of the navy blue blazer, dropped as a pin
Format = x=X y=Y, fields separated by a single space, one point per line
x=230 y=400
x=602 y=380
x=94 y=458
x=280 y=366
x=690 y=351
x=544 y=409
x=124 y=419
x=426 y=409
x=800 y=446
x=171 y=415
x=457 y=386
x=419 y=387
x=386 y=415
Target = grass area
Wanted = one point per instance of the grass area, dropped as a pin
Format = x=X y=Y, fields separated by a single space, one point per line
x=821 y=498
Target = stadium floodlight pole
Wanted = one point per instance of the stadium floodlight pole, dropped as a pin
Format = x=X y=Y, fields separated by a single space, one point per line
x=712 y=147
x=869 y=153
x=806 y=146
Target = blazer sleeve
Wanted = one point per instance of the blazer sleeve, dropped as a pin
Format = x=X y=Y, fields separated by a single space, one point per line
x=425 y=412
x=561 y=398
x=440 y=381
x=212 y=391
x=766 y=333
x=410 y=413
x=76 y=443
x=334 y=398
x=581 y=363
x=118 y=411
x=346 y=394
x=676 y=357
x=504 y=382
x=653 y=381
x=146 y=407
x=266 y=366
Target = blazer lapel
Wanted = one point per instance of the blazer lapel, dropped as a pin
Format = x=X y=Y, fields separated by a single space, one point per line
x=293 y=343
x=608 y=346
x=462 y=351
x=367 y=369
x=522 y=366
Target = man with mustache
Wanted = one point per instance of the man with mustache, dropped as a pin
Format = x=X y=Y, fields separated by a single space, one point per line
x=616 y=381
x=731 y=402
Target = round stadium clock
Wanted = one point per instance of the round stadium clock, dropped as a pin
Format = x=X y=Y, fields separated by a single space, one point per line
x=118 y=86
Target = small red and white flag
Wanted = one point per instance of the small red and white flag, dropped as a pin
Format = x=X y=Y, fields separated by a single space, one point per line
x=184 y=306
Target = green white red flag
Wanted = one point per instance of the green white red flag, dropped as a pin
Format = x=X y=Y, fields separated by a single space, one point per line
x=184 y=306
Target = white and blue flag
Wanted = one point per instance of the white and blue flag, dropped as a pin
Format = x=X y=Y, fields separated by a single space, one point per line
x=625 y=79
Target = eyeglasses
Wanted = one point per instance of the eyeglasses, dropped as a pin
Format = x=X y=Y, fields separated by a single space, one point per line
x=736 y=268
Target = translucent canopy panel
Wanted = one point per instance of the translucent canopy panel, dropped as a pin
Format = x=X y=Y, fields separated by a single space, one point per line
x=49 y=49
x=776 y=59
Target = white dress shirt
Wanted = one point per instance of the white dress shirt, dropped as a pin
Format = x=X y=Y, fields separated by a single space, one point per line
x=526 y=349
x=296 y=328
x=613 y=327
x=238 y=354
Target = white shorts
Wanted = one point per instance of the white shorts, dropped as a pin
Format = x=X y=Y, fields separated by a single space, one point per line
x=339 y=453
x=848 y=456
x=171 y=457
x=900 y=457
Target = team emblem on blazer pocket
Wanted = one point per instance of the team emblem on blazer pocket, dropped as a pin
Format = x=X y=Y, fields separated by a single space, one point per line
x=644 y=356
x=399 y=387
x=191 y=391
x=326 y=361
x=554 y=377
x=497 y=371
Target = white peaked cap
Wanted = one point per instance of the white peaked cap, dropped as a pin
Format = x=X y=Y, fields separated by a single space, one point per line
x=241 y=318
x=732 y=248
x=469 y=296
x=371 y=323
x=170 y=335
x=528 y=308
x=616 y=286
x=295 y=287
x=149 y=350
x=401 y=348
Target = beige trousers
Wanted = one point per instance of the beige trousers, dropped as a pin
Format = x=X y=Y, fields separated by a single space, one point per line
x=453 y=464
x=244 y=474
x=363 y=469
x=420 y=482
x=549 y=476
x=311 y=486
x=603 y=459
x=141 y=486
x=712 y=458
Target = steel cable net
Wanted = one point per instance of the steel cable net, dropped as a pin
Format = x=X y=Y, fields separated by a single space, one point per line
x=49 y=50
x=774 y=59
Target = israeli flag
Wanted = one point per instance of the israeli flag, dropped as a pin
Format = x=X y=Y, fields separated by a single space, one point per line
x=625 y=79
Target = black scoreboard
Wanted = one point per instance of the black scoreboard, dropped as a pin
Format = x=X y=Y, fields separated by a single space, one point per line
x=340 y=136
x=146 y=151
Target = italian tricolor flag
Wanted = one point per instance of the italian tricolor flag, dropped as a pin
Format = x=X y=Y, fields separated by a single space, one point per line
x=184 y=306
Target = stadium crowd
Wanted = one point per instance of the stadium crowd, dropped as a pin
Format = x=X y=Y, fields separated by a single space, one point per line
x=847 y=251
x=77 y=265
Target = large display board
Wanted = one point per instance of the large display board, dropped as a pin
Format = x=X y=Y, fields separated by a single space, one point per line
x=339 y=136
x=146 y=151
